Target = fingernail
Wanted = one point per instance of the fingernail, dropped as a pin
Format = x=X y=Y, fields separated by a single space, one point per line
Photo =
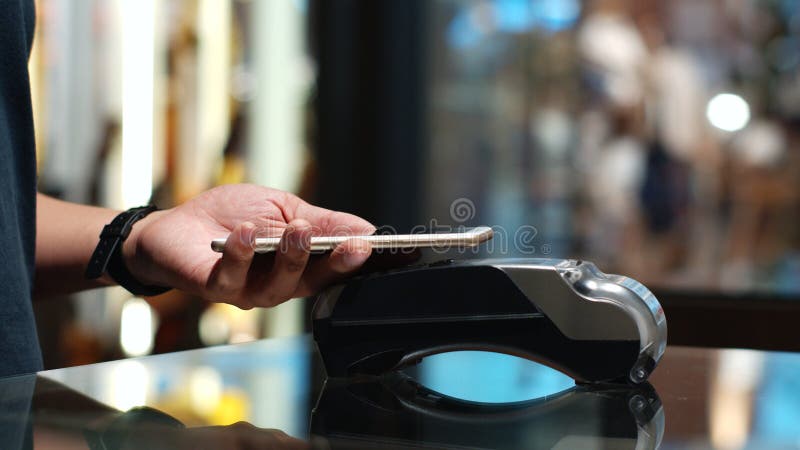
x=295 y=237
x=298 y=238
x=248 y=234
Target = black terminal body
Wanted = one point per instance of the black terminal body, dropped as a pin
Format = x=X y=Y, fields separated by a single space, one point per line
x=562 y=313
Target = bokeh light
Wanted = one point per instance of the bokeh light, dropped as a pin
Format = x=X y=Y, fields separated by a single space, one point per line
x=136 y=327
x=728 y=112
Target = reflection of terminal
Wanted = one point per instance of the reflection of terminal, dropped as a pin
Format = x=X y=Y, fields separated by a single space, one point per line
x=395 y=412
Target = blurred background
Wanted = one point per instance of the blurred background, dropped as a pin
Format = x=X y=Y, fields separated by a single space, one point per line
x=657 y=139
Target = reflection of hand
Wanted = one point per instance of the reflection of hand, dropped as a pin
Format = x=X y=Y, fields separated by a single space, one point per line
x=172 y=247
x=241 y=435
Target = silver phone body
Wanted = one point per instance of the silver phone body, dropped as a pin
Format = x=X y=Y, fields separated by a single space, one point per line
x=470 y=237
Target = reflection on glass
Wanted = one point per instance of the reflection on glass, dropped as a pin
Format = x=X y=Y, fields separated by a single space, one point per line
x=267 y=384
x=738 y=373
x=264 y=383
x=43 y=414
x=131 y=385
x=776 y=410
x=490 y=377
x=754 y=400
x=394 y=411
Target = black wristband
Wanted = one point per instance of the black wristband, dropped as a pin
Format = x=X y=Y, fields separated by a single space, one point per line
x=107 y=257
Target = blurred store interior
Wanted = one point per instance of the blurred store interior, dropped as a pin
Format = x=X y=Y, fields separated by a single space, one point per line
x=657 y=139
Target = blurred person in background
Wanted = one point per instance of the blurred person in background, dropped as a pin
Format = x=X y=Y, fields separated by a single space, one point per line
x=47 y=244
x=613 y=146
x=761 y=193
x=643 y=138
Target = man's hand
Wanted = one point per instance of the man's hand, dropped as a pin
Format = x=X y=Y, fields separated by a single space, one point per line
x=172 y=247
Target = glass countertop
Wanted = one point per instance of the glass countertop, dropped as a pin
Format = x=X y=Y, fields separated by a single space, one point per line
x=273 y=394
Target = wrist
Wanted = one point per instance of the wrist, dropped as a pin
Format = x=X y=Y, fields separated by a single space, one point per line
x=108 y=257
x=134 y=254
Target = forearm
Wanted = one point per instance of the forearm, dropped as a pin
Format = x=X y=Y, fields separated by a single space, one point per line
x=170 y=248
x=66 y=236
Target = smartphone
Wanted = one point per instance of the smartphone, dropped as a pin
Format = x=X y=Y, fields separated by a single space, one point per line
x=469 y=237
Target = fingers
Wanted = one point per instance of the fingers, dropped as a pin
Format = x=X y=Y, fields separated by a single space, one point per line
x=232 y=279
x=290 y=262
x=349 y=256
x=341 y=223
x=229 y=275
x=333 y=223
x=346 y=259
x=240 y=280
